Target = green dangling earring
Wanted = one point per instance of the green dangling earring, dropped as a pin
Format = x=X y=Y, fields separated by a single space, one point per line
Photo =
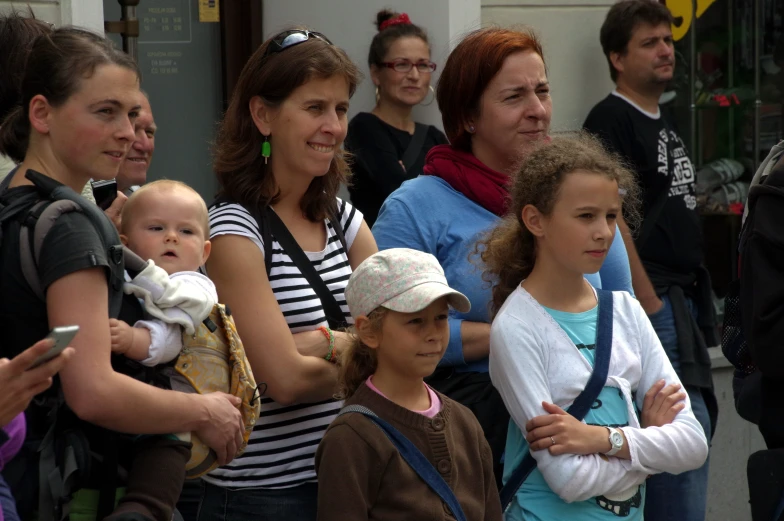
x=266 y=149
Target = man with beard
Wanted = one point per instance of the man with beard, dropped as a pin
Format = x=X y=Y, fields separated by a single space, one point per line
x=667 y=253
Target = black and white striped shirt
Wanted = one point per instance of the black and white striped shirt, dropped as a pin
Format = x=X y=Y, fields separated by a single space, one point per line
x=283 y=444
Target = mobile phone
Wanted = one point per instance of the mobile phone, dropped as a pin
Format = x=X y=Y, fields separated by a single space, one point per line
x=105 y=192
x=62 y=336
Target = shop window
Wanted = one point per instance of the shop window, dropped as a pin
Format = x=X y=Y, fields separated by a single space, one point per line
x=726 y=99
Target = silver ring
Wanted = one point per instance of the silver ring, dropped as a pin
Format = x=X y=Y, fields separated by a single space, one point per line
x=552 y=439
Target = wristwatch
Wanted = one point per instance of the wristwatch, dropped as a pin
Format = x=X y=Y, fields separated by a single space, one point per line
x=616 y=440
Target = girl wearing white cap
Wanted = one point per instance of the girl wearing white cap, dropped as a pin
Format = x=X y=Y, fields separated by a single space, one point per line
x=400 y=299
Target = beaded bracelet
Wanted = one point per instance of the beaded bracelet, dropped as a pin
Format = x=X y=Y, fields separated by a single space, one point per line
x=330 y=336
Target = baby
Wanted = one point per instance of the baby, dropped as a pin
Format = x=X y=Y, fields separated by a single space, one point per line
x=164 y=222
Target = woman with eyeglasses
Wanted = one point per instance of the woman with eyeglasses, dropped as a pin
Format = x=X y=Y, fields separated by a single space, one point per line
x=388 y=146
x=283 y=248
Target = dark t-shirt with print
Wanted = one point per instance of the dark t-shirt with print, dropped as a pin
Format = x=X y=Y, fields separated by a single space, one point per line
x=653 y=148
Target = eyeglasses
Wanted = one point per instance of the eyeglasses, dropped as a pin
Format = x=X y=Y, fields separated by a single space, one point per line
x=406 y=65
x=291 y=38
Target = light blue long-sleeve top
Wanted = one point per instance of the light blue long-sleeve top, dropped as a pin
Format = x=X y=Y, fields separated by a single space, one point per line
x=427 y=214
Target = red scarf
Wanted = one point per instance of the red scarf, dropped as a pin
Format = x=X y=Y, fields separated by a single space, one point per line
x=469 y=176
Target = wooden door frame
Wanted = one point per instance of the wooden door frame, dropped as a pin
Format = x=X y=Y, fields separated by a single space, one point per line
x=241 y=34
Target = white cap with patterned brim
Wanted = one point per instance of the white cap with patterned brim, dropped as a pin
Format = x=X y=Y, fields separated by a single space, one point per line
x=402 y=280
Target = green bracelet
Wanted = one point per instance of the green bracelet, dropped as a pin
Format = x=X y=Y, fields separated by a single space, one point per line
x=330 y=335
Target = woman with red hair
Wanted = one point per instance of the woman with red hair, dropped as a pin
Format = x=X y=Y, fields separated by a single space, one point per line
x=494 y=98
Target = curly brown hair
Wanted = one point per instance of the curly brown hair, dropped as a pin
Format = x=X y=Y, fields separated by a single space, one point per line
x=242 y=174
x=508 y=251
x=359 y=361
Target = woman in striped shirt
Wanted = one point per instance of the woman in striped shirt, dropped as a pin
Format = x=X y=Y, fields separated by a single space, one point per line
x=278 y=148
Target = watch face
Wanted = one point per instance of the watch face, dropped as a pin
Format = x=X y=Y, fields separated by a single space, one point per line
x=616 y=439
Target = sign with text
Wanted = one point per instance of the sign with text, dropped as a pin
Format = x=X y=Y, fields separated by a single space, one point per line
x=209 y=11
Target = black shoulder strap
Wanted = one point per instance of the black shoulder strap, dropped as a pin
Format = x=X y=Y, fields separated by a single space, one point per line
x=7 y=180
x=261 y=223
x=16 y=207
x=42 y=217
x=332 y=310
x=414 y=146
x=582 y=404
x=334 y=220
x=269 y=224
x=266 y=239
x=12 y=208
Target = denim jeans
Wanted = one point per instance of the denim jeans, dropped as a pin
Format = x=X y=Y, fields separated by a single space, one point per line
x=7 y=502
x=259 y=504
x=681 y=497
x=190 y=499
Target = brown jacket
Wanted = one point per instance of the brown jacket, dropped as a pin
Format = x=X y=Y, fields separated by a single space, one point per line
x=362 y=476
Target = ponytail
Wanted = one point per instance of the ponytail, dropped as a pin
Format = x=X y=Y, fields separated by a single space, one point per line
x=15 y=134
x=357 y=363
x=56 y=64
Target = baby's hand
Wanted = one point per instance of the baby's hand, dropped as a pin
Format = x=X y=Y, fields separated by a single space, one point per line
x=122 y=336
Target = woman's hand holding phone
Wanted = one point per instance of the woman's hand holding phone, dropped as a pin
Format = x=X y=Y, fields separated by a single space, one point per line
x=20 y=381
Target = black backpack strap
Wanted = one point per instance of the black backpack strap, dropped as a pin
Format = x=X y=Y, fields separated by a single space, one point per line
x=16 y=208
x=582 y=404
x=133 y=263
x=40 y=220
x=332 y=310
x=35 y=227
x=261 y=224
x=6 y=182
x=414 y=146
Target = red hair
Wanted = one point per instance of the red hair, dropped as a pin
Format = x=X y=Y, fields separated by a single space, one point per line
x=469 y=69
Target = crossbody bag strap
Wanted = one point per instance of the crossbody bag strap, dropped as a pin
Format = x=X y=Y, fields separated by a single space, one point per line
x=266 y=239
x=414 y=458
x=414 y=146
x=261 y=224
x=332 y=310
x=334 y=220
x=582 y=404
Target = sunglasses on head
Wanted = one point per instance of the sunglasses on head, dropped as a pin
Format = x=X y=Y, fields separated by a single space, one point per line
x=291 y=38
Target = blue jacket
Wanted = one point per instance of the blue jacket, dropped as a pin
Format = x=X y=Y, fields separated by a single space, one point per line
x=427 y=214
